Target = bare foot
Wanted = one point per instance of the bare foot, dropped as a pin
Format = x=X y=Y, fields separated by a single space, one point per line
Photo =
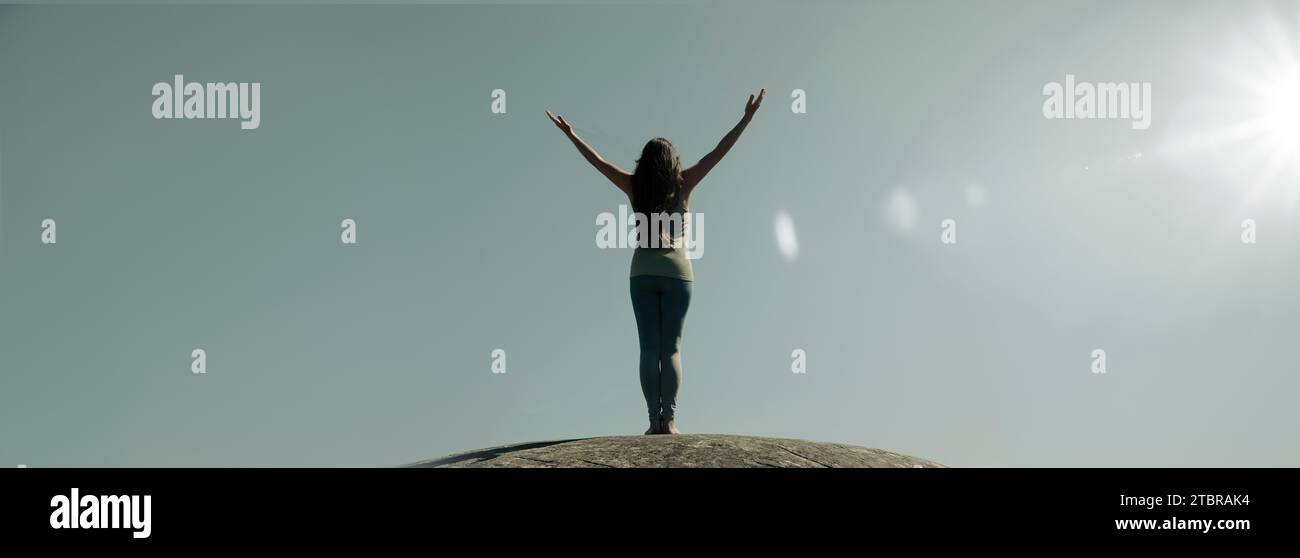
x=670 y=427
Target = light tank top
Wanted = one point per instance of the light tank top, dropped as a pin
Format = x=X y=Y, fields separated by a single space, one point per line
x=666 y=261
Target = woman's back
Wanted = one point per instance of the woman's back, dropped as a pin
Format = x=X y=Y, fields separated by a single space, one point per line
x=669 y=258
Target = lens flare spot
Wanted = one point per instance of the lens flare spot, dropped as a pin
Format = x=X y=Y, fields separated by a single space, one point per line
x=786 y=241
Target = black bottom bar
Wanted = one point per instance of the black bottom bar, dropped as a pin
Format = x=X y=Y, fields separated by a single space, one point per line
x=448 y=508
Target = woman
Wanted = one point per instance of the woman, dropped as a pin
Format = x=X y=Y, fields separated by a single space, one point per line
x=661 y=273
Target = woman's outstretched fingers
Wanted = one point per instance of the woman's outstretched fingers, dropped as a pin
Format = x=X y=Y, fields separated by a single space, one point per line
x=752 y=106
x=558 y=120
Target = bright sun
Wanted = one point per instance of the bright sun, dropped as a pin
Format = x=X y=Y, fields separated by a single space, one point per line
x=1248 y=121
x=1281 y=109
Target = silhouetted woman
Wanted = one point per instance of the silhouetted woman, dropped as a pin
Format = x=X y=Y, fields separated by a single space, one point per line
x=661 y=273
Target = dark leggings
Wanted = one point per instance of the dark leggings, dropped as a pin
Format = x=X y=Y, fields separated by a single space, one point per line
x=660 y=305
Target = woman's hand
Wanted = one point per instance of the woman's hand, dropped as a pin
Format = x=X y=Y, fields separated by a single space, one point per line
x=618 y=176
x=751 y=106
x=564 y=126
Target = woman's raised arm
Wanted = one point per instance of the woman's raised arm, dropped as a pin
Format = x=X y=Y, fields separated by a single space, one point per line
x=692 y=176
x=618 y=176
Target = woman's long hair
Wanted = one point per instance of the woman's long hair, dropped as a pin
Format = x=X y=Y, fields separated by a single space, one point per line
x=657 y=184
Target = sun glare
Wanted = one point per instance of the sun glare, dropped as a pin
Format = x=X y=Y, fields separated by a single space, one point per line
x=1282 y=115
x=1247 y=123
